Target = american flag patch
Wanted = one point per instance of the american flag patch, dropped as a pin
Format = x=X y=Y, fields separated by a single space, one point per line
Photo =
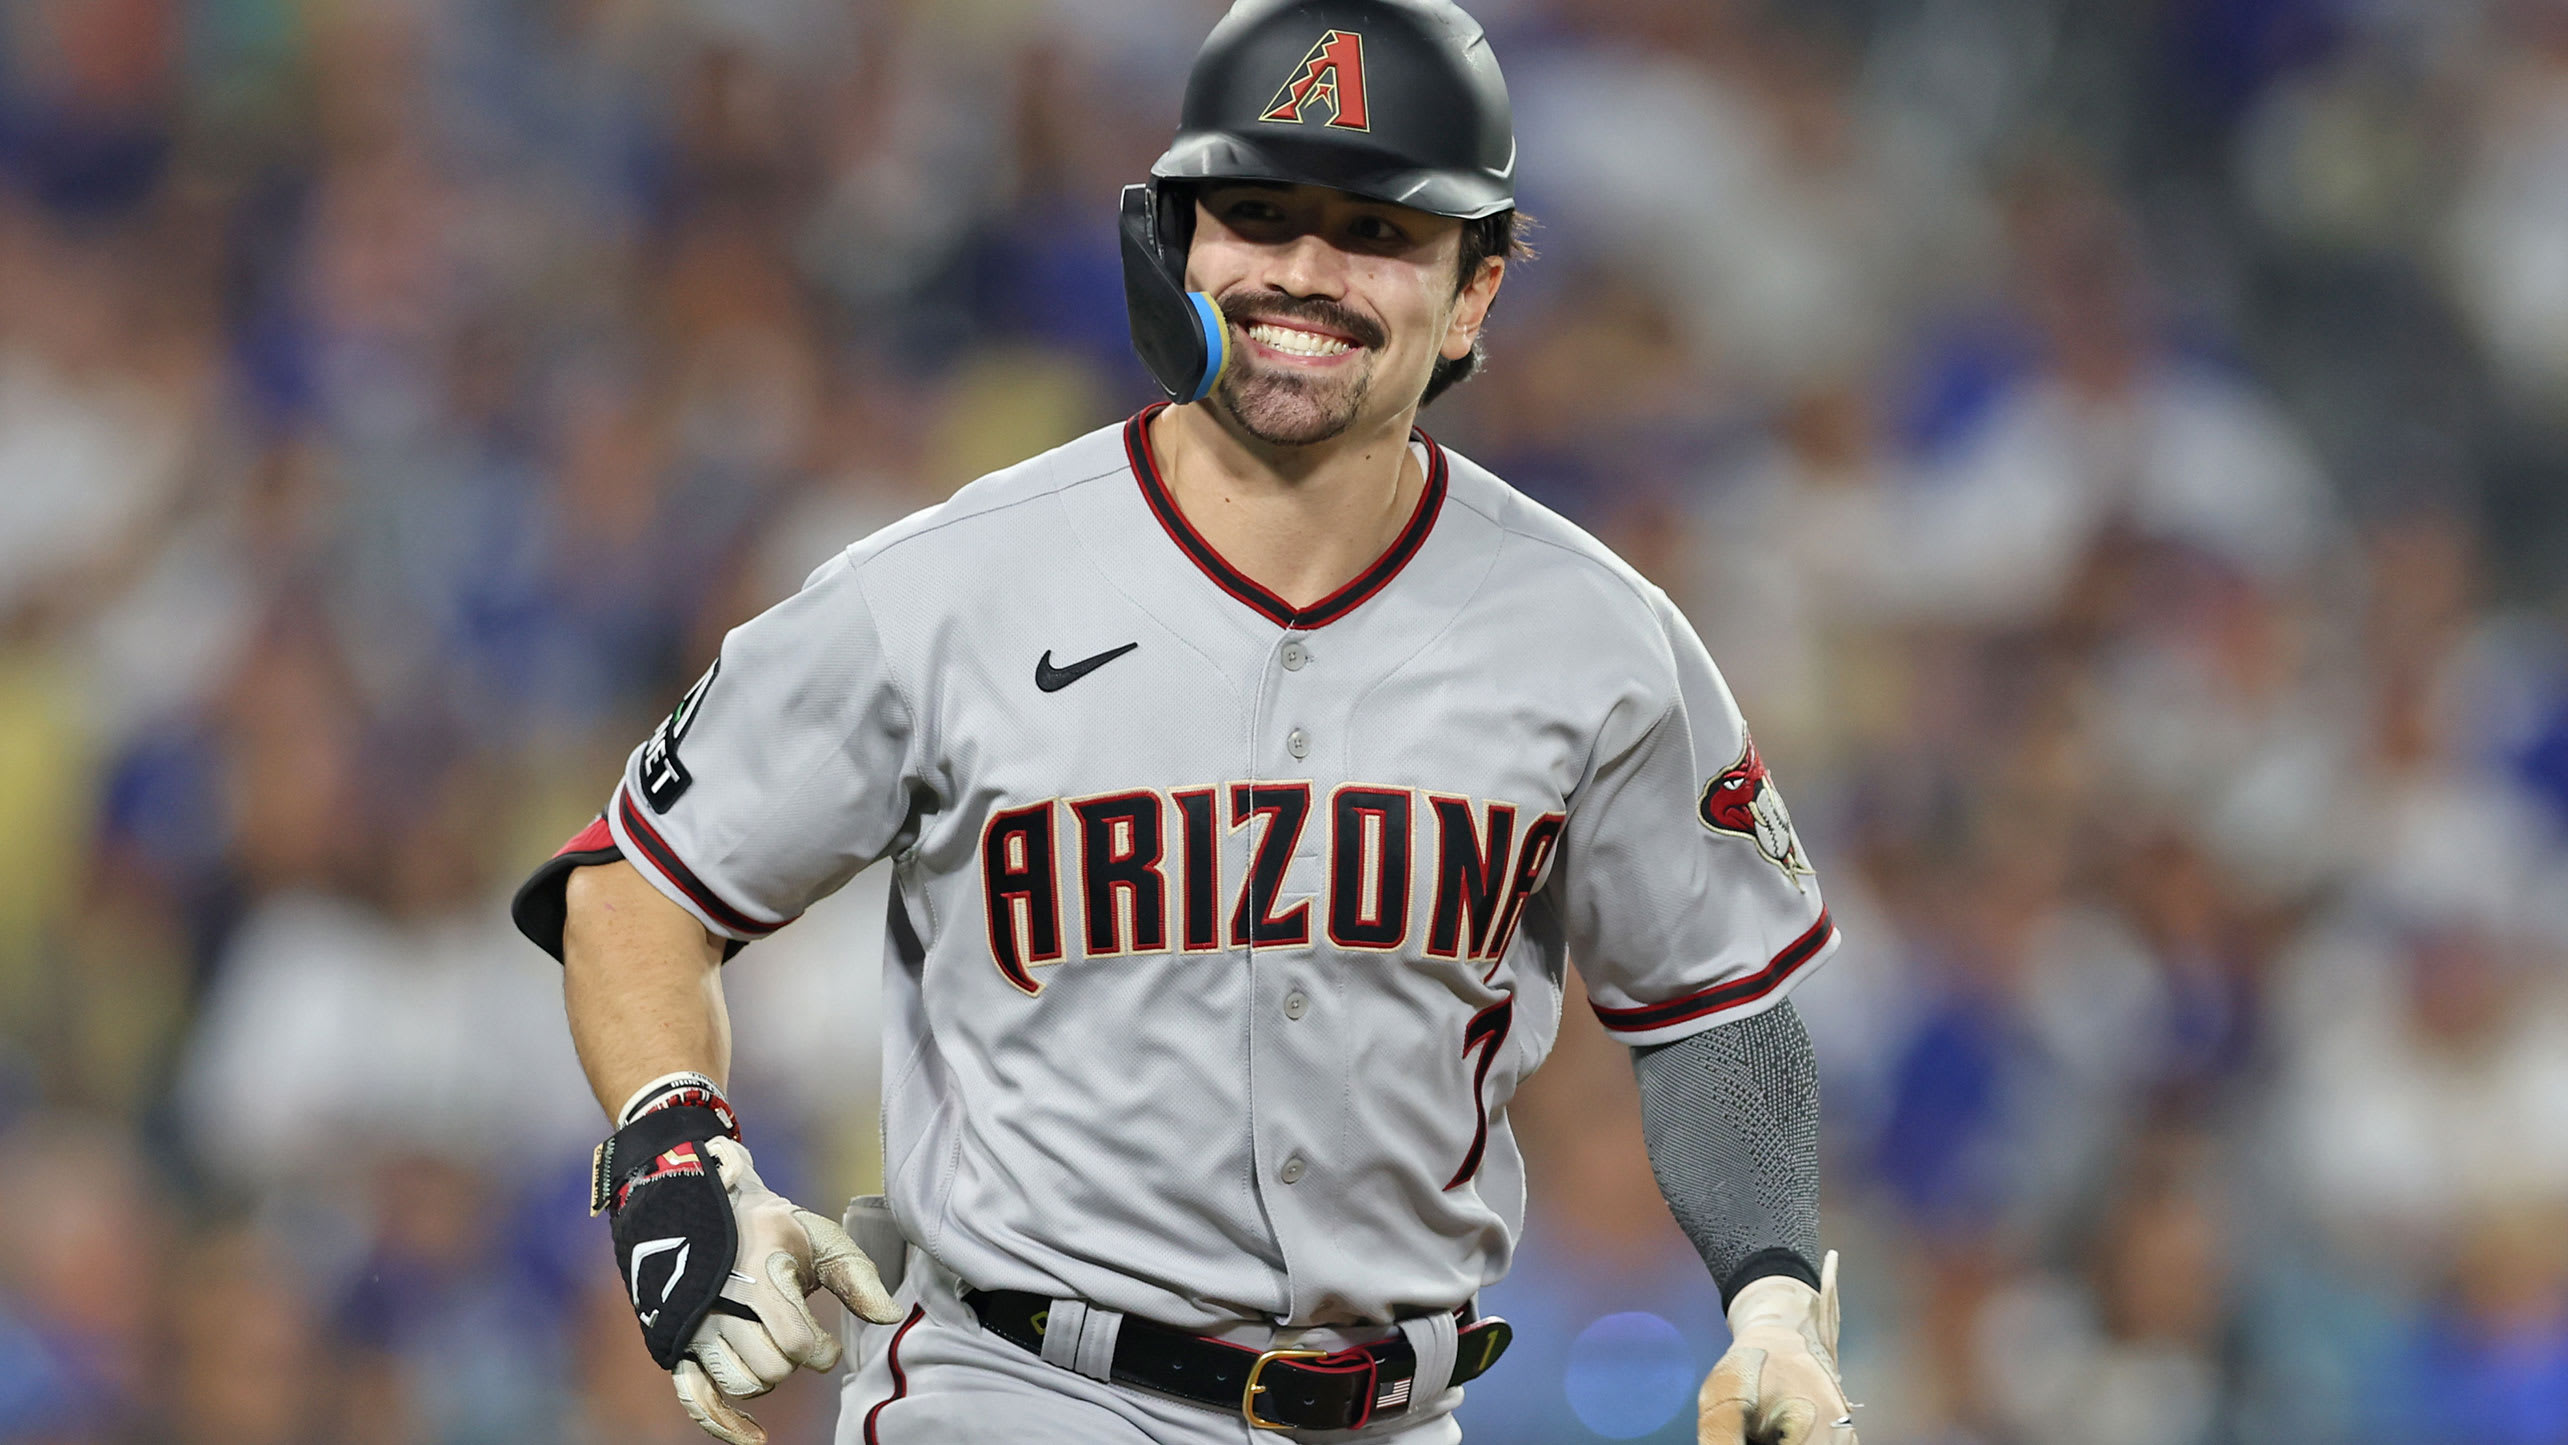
x=1394 y=1397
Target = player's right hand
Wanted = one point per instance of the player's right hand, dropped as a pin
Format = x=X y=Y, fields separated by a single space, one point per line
x=716 y=1263
x=1778 y=1384
x=760 y=1330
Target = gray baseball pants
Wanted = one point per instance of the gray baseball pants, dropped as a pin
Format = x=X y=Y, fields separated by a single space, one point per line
x=939 y=1378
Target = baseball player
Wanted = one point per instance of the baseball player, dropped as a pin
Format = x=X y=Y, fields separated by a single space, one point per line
x=1249 y=771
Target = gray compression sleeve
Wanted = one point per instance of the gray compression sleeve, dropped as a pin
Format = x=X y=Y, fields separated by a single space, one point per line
x=1731 y=1119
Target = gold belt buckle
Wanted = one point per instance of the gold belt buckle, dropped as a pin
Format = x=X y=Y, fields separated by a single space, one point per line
x=1248 y=1396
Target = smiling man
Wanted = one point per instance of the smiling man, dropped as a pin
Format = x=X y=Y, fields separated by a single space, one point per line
x=1218 y=945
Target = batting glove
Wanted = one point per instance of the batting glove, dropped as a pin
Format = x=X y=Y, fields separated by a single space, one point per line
x=1778 y=1383
x=716 y=1263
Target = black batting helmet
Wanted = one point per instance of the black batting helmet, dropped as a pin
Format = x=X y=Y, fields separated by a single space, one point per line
x=1393 y=100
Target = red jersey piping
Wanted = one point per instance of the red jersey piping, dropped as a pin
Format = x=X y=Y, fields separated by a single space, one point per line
x=1729 y=994
x=900 y=1377
x=1422 y=521
x=665 y=859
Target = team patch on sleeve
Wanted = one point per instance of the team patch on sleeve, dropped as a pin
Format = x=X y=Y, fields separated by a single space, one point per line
x=664 y=778
x=1742 y=800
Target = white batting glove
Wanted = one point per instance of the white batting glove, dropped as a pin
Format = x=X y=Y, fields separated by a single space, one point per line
x=761 y=1330
x=1778 y=1383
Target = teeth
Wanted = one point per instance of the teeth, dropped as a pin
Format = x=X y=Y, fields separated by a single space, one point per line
x=1300 y=343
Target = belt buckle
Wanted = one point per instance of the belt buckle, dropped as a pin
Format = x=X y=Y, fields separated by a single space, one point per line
x=1248 y=1395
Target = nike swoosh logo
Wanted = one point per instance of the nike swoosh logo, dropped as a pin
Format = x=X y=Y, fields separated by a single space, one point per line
x=1053 y=679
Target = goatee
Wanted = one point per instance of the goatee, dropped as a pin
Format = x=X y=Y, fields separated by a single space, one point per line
x=1291 y=411
x=1286 y=408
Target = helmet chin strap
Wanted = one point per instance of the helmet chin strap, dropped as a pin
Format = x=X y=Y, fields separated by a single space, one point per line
x=1181 y=335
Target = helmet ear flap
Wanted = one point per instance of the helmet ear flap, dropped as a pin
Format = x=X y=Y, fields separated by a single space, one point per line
x=1172 y=205
x=1181 y=335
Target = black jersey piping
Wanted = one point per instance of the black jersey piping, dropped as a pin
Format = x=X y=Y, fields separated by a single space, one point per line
x=1422 y=521
x=662 y=857
x=900 y=1377
x=1731 y=994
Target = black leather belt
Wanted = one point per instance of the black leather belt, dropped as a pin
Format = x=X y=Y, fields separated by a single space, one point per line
x=1274 y=1389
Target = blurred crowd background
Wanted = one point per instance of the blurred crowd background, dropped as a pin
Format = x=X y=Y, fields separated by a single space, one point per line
x=2115 y=449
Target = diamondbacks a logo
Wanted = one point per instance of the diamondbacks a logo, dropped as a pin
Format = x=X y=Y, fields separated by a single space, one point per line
x=1743 y=800
x=1330 y=77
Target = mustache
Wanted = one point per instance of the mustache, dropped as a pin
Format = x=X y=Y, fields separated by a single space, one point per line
x=1280 y=306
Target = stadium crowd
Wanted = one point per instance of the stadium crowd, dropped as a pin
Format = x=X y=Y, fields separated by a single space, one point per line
x=2114 y=450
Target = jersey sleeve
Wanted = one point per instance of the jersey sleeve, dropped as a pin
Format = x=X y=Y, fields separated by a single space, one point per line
x=1684 y=891
x=784 y=771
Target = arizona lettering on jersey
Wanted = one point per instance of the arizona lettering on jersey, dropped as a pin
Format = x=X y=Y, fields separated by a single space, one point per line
x=1129 y=878
x=1222 y=930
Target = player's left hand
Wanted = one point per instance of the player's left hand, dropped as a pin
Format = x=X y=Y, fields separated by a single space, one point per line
x=760 y=1330
x=1778 y=1383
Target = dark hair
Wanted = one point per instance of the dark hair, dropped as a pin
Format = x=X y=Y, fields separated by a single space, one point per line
x=1502 y=236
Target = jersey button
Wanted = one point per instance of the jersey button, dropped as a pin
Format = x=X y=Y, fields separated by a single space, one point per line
x=1295 y=654
x=1291 y=1173
x=1298 y=743
x=1296 y=1004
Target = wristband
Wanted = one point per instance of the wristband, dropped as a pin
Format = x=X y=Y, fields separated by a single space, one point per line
x=619 y=1162
x=683 y=1087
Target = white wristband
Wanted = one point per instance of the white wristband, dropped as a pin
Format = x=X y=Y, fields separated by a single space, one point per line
x=684 y=1087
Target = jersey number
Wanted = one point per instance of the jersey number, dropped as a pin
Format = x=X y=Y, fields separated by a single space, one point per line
x=1487 y=1032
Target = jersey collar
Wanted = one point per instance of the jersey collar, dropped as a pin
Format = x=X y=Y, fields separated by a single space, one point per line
x=1145 y=470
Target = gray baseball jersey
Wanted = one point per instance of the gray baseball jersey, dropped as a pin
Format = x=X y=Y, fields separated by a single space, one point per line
x=1221 y=930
